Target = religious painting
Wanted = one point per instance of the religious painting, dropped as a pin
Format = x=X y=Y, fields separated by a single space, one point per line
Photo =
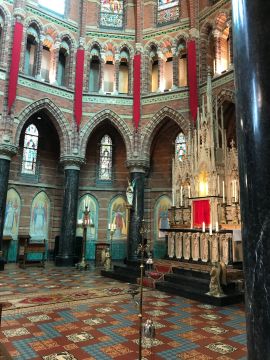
x=92 y=205
x=162 y=216
x=118 y=216
x=39 y=222
x=12 y=214
x=111 y=13
x=167 y=12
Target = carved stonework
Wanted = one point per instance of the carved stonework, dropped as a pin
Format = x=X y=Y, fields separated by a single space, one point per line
x=72 y=162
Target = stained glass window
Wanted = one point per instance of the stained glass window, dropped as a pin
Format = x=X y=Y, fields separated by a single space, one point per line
x=180 y=146
x=111 y=13
x=105 y=161
x=30 y=150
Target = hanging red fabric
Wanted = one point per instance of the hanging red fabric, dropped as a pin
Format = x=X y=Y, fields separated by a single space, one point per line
x=78 y=86
x=192 y=79
x=136 y=90
x=15 y=63
x=201 y=213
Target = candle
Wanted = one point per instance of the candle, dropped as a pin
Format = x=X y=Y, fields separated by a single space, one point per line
x=173 y=200
x=235 y=191
x=181 y=196
x=218 y=189
x=109 y=226
x=223 y=192
x=217 y=226
x=203 y=227
x=210 y=229
x=189 y=191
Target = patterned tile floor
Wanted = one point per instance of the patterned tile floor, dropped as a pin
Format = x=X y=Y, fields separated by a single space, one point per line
x=103 y=324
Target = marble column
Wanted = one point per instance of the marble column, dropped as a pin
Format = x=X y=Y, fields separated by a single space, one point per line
x=252 y=75
x=136 y=213
x=66 y=255
x=5 y=156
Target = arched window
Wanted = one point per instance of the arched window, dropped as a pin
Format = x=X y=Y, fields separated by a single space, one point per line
x=180 y=146
x=123 y=72
x=168 y=72
x=57 y=6
x=62 y=64
x=153 y=70
x=109 y=72
x=30 y=150
x=182 y=64
x=31 y=51
x=105 y=159
x=94 y=73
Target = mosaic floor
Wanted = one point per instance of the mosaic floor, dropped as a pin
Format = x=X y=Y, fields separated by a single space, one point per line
x=66 y=314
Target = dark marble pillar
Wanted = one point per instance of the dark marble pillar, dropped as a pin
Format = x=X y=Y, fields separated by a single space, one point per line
x=66 y=255
x=6 y=152
x=136 y=213
x=252 y=73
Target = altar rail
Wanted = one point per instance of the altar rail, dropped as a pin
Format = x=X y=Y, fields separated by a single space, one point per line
x=195 y=245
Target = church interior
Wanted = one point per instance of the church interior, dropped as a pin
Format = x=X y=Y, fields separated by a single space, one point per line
x=120 y=219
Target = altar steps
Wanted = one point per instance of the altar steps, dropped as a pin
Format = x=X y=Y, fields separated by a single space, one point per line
x=126 y=272
x=194 y=285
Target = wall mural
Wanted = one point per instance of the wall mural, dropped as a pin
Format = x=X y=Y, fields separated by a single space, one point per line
x=40 y=215
x=91 y=202
x=167 y=11
x=111 y=13
x=12 y=214
x=119 y=217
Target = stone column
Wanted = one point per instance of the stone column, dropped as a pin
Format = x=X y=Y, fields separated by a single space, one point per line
x=66 y=255
x=137 y=175
x=251 y=62
x=217 y=36
x=175 y=69
x=101 y=77
x=160 y=70
x=116 y=73
x=6 y=152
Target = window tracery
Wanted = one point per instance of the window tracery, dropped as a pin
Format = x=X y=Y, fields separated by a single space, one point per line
x=105 y=159
x=30 y=150
x=180 y=146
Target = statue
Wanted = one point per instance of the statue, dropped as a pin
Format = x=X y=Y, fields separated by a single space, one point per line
x=130 y=191
x=215 y=288
x=106 y=258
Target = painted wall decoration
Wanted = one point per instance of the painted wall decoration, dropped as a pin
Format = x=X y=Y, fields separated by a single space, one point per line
x=92 y=204
x=168 y=11
x=111 y=13
x=40 y=215
x=12 y=214
x=161 y=217
x=118 y=215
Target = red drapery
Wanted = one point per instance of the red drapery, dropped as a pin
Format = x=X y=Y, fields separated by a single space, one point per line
x=78 y=86
x=136 y=89
x=201 y=213
x=192 y=79
x=15 y=63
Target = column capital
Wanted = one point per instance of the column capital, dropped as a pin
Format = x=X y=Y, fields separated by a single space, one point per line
x=71 y=162
x=138 y=165
x=7 y=151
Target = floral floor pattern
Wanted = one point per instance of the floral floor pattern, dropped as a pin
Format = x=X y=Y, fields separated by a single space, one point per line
x=93 y=318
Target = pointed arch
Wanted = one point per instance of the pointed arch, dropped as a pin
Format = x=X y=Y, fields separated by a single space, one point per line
x=115 y=120
x=226 y=94
x=157 y=120
x=61 y=124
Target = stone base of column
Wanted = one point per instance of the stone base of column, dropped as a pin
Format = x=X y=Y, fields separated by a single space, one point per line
x=66 y=260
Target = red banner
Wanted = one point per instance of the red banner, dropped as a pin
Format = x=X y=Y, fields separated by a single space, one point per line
x=201 y=213
x=136 y=90
x=15 y=63
x=78 y=86
x=192 y=79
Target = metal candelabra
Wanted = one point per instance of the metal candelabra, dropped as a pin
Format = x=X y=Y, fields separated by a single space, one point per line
x=83 y=265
